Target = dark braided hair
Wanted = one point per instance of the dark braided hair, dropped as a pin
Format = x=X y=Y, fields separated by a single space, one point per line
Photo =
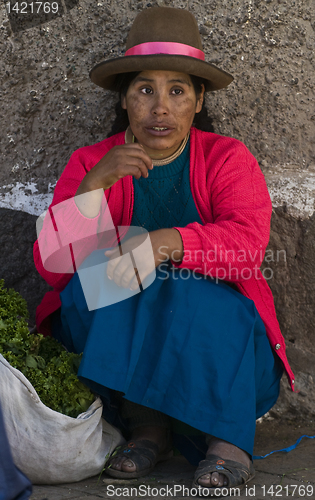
x=201 y=120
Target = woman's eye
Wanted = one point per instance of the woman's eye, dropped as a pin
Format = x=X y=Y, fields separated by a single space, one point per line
x=146 y=90
x=177 y=91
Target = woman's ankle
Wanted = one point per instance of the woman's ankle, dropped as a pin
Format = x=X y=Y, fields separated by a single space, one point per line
x=227 y=451
x=157 y=434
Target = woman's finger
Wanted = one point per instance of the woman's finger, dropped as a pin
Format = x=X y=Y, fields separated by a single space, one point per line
x=128 y=277
x=112 y=254
x=121 y=271
x=116 y=268
x=138 y=151
x=136 y=164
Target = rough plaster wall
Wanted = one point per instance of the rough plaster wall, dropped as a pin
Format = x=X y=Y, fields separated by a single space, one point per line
x=49 y=108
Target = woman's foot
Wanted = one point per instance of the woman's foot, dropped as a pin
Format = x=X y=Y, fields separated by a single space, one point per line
x=226 y=451
x=155 y=434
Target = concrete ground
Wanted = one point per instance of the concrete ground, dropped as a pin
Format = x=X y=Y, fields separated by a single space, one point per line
x=281 y=475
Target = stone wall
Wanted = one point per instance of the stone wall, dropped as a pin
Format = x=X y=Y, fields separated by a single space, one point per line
x=50 y=108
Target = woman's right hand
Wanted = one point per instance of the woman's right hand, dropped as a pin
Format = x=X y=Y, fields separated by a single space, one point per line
x=126 y=159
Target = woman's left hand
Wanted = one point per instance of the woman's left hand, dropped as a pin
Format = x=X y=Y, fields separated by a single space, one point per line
x=163 y=244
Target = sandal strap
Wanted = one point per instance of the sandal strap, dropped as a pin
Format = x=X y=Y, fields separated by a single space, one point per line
x=142 y=452
x=236 y=473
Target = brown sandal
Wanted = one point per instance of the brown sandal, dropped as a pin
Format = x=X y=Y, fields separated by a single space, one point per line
x=236 y=474
x=143 y=453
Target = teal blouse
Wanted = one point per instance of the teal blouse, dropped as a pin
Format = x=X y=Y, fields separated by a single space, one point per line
x=164 y=199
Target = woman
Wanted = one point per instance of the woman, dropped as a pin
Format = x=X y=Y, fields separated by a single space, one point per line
x=192 y=347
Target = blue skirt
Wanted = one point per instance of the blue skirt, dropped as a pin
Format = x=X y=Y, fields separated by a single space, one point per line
x=195 y=349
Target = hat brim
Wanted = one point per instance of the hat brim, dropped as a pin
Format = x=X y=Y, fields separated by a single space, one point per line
x=104 y=74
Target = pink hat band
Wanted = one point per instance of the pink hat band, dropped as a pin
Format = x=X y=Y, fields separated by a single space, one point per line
x=171 y=48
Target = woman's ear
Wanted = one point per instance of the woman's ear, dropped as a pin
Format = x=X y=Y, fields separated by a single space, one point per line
x=200 y=99
x=123 y=101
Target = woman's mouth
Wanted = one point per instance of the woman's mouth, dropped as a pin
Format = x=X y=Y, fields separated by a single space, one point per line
x=159 y=130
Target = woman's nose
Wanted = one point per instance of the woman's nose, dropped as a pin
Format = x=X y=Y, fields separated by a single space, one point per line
x=160 y=105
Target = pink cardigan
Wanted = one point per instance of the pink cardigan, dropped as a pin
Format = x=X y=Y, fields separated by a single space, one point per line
x=233 y=202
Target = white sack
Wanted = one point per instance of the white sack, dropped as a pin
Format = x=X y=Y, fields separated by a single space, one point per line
x=51 y=448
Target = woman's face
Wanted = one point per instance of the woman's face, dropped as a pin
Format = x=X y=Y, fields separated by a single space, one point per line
x=161 y=106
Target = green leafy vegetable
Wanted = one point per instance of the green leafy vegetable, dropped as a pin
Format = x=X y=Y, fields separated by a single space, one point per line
x=51 y=370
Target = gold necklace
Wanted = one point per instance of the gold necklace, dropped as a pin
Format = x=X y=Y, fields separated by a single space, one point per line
x=129 y=139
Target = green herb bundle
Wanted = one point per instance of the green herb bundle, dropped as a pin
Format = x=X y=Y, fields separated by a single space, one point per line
x=50 y=369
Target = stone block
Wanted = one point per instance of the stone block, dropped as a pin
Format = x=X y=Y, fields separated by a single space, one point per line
x=17 y=236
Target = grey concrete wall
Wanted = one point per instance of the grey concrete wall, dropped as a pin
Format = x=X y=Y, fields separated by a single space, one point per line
x=49 y=108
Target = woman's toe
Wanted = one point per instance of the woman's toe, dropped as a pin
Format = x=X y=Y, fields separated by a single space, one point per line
x=222 y=480
x=115 y=463
x=214 y=479
x=123 y=464
x=205 y=480
x=128 y=466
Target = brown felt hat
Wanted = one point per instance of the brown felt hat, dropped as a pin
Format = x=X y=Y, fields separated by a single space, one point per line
x=162 y=38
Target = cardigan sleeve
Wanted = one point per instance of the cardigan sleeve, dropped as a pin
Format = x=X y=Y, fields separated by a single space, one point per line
x=232 y=242
x=65 y=236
